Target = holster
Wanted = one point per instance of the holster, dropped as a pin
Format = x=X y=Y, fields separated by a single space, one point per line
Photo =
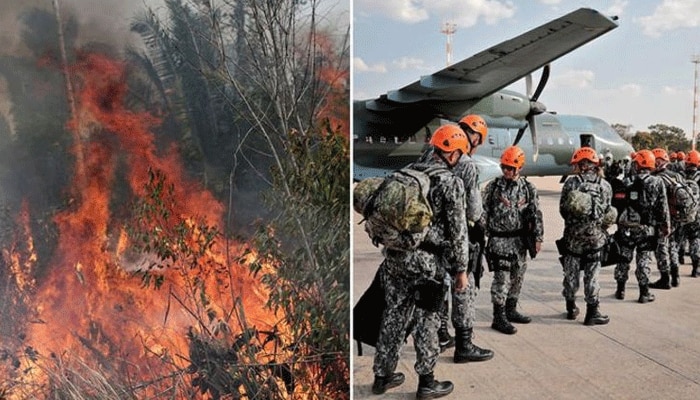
x=497 y=262
x=429 y=294
x=477 y=246
x=476 y=265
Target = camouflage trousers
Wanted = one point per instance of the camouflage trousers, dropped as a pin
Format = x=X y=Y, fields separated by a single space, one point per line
x=643 y=270
x=667 y=254
x=399 y=311
x=464 y=305
x=572 y=273
x=508 y=284
x=694 y=249
x=463 y=312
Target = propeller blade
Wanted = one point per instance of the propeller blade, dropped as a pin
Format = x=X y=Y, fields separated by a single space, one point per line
x=543 y=81
x=519 y=135
x=533 y=132
x=535 y=108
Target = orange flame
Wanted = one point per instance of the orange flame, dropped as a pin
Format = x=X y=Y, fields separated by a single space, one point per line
x=89 y=303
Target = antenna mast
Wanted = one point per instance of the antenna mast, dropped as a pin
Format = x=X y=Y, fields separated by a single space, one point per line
x=448 y=28
x=695 y=60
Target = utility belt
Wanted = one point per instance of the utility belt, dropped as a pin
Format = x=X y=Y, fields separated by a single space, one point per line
x=507 y=234
x=498 y=262
x=609 y=254
x=589 y=256
x=432 y=248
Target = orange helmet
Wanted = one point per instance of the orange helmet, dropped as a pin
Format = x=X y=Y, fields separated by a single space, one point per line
x=693 y=158
x=673 y=156
x=476 y=124
x=661 y=154
x=585 y=153
x=680 y=156
x=513 y=156
x=645 y=159
x=449 y=138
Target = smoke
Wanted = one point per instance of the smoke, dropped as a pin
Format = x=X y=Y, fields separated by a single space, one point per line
x=105 y=21
x=100 y=21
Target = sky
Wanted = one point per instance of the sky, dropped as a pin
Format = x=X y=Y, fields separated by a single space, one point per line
x=638 y=74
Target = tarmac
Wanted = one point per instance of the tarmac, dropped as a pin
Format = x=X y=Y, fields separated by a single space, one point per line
x=647 y=351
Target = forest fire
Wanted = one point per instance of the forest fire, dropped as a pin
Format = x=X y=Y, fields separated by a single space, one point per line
x=90 y=303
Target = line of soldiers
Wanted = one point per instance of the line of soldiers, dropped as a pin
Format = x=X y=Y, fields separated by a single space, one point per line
x=508 y=214
x=504 y=223
x=661 y=234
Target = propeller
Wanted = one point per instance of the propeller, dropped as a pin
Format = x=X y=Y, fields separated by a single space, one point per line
x=535 y=108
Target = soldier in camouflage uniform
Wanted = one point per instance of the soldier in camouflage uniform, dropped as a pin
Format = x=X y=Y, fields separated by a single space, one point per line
x=692 y=230
x=585 y=232
x=643 y=218
x=667 y=250
x=464 y=302
x=679 y=165
x=405 y=274
x=512 y=216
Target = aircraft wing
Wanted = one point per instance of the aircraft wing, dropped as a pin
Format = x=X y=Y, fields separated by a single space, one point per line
x=505 y=63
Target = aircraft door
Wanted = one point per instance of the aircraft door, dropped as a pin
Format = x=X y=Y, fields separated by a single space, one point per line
x=587 y=140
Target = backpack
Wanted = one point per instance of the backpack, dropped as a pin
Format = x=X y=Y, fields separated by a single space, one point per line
x=586 y=201
x=682 y=199
x=397 y=212
x=636 y=209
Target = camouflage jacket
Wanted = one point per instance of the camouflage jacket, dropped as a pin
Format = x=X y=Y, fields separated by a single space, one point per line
x=507 y=202
x=581 y=234
x=693 y=228
x=653 y=203
x=467 y=169
x=448 y=230
x=668 y=176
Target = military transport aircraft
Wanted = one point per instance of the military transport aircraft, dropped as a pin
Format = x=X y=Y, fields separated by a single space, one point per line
x=393 y=129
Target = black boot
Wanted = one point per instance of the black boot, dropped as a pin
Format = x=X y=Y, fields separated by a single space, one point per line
x=429 y=388
x=663 y=283
x=382 y=383
x=466 y=350
x=694 y=272
x=512 y=313
x=644 y=295
x=571 y=310
x=675 y=279
x=620 y=292
x=446 y=340
x=500 y=322
x=593 y=315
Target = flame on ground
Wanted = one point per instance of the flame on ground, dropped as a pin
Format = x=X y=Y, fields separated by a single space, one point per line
x=89 y=304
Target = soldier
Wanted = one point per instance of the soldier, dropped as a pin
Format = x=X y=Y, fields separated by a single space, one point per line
x=677 y=164
x=404 y=274
x=667 y=250
x=585 y=205
x=464 y=302
x=643 y=219
x=607 y=164
x=512 y=216
x=680 y=161
x=692 y=230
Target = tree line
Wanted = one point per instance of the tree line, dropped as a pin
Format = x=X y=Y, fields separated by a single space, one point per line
x=667 y=137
